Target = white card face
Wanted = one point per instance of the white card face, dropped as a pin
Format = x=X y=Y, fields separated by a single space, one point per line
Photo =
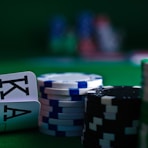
x=18 y=115
x=18 y=86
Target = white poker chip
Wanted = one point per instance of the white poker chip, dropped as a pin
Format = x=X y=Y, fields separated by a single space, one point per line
x=60 y=134
x=61 y=109
x=63 y=128
x=63 y=97
x=65 y=92
x=70 y=80
x=66 y=122
x=61 y=103
x=46 y=108
x=66 y=116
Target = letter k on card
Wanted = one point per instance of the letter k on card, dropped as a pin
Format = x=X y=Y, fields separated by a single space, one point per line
x=18 y=87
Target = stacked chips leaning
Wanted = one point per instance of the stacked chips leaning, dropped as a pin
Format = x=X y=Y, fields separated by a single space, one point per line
x=143 y=133
x=112 y=117
x=62 y=98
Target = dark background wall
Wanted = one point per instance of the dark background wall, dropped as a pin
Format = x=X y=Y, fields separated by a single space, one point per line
x=24 y=24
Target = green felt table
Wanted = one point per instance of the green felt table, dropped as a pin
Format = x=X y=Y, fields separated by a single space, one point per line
x=114 y=73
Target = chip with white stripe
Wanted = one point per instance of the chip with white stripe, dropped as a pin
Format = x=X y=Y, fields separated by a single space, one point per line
x=70 y=80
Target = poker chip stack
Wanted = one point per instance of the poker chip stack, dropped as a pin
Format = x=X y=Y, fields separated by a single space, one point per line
x=62 y=98
x=57 y=30
x=112 y=117
x=143 y=132
x=85 y=30
x=106 y=36
x=70 y=43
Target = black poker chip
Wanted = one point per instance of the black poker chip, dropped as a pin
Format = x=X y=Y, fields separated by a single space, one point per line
x=113 y=111
x=91 y=140
x=121 y=92
x=116 y=92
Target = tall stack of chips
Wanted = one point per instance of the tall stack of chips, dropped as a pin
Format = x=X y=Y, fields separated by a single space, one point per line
x=143 y=133
x=107 y=39
x=62 y=98
x=57 y=31
x=85 y=28
x=112 y=117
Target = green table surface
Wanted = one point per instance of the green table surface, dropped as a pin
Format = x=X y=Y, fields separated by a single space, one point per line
x=114 y=73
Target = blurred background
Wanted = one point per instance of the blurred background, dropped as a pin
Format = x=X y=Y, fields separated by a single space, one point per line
x=79 y=28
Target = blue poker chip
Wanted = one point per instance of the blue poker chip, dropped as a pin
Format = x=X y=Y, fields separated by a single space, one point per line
x=57 y=26
x=70 y=80
x=85 y=24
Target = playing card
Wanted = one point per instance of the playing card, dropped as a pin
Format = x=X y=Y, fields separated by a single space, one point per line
x=19 y=115
x=18 y=86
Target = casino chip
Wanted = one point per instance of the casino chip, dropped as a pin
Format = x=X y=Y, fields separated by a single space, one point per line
x=60 y=133
x=112 y=116
x=57 y=30
x=107 y=37
x=69 y=80
x=61 y=103
x=65 y=122
x=70 y=91
x=62 y=97
x=66 y=109
x=85 y=31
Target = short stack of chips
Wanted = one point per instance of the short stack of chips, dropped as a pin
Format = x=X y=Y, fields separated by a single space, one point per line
x=62 y=98
x=112 y=117
x=143 y=132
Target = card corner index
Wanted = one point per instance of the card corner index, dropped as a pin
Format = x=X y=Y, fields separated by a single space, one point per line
x=14 y=85
x=15 y=115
